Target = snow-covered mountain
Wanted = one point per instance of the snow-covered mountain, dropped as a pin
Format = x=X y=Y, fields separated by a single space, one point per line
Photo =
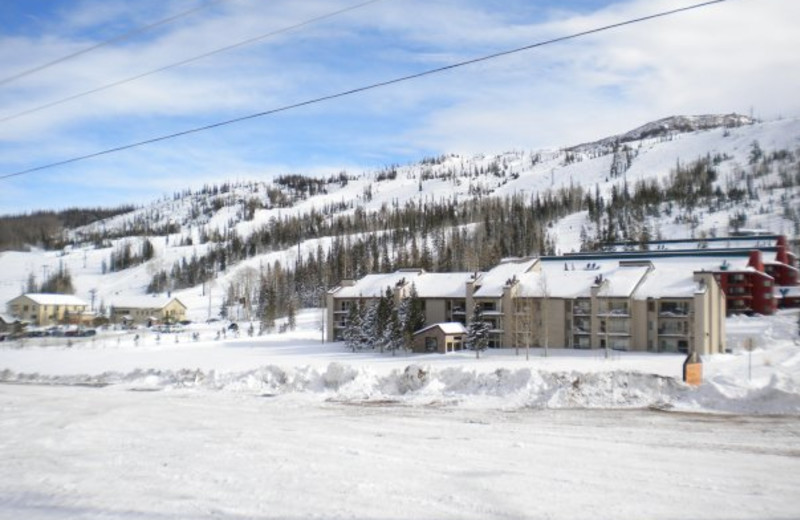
x=449 y=211
x=669 y=127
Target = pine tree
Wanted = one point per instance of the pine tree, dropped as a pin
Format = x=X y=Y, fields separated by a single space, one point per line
x=477 y=332
x=415 y=317
x=369 y=326
x=291 y=315
x=31 y=287
x=352 y=329
x=393 y=338
x=386 y=309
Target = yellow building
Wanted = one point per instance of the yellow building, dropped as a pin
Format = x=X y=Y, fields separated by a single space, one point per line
x=147 y=310
x=43 y=309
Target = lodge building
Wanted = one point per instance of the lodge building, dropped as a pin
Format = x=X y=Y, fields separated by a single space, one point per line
x=668 y=296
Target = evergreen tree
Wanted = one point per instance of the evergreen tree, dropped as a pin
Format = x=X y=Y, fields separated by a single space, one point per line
x=415 y=317
x=352 y=329
x=291 y=315
x=385 y=311
x=369 y=326
x=60 y=282
x=393 y=338
x=477 y=332
x=31 y=286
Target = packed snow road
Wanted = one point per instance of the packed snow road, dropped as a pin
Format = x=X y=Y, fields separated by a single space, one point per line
x=75 y=452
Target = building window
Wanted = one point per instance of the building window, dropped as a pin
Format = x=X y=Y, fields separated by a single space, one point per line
x=431 y=344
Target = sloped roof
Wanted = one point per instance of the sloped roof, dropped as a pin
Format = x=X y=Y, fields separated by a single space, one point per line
x=556 y=281
x=492 y=282
x=7 y=318
x=453 y=327
x=143 y=302
x=55 y=299
x=442 y=285
x=428 y=285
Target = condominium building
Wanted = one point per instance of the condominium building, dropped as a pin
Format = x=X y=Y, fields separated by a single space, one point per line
x=758 y=273
x=657 y=305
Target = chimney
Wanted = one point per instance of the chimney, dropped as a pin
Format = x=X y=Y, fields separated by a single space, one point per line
x=755 y=261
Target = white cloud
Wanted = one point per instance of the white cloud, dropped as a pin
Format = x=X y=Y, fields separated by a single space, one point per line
x=726 y=57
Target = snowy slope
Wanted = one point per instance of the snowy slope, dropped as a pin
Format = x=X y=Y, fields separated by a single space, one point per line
x=204 y=212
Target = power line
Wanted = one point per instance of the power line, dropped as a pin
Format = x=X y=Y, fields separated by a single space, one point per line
x=116 y=39
x=364 y=88
x=187 y=60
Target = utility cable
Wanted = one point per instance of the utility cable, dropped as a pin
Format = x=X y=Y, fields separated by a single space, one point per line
x=187 y=60
x=116 y=39
x=365 y=88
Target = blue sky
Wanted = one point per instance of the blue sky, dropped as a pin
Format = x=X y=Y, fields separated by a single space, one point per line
x=736 y=56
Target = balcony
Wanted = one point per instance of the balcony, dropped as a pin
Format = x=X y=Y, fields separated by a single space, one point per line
x=582 y=326
x=674 y=310
x=581 y=342
x=673 y=331
x=615 y=313
x=582 y=310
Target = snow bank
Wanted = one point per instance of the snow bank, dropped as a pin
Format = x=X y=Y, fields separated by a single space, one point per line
x=422 y=385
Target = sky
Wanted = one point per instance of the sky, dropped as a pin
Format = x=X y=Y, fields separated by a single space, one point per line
x=734 y=56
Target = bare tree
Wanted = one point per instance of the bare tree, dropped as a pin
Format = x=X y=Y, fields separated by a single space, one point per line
x=544 y=313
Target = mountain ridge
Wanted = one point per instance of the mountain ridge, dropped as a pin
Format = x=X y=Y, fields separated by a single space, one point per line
x=448 y=212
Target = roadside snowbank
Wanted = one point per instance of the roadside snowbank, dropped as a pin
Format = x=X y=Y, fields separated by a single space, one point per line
x=764 y=381
x=421 y=385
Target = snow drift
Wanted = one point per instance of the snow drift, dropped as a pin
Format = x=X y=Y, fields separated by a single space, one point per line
x=420 y=385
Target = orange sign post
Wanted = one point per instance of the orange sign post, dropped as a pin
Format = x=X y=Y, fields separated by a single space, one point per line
x=693 y=370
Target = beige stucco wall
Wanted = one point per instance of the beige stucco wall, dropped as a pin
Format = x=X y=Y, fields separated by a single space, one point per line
x=42 y=314
x=705 y=323
x=435 y=311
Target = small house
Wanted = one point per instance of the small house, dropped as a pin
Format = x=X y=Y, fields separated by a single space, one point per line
x=440 y=337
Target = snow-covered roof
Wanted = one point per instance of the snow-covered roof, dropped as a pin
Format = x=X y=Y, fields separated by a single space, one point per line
x=428 y=285
x=142 y=302
x=669 y=279
x=442 y=285
x=55 y=299
x=7 y=318
x=560 y=279
x=373 y=285
x=453 y=327
x=491 y=283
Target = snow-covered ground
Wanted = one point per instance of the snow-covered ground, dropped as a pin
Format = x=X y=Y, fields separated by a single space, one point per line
x=283 y=426
x=82 y=453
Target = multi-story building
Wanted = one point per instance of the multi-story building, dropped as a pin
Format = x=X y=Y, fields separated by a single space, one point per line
x=759 y=273
x=443 y=296
x=653 y=305
x=49 y=309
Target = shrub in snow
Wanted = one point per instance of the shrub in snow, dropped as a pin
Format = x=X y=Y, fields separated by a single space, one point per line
x=414 y=377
